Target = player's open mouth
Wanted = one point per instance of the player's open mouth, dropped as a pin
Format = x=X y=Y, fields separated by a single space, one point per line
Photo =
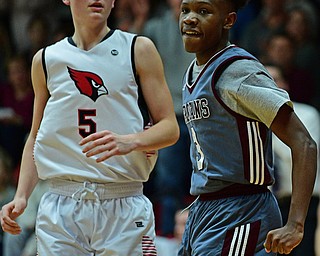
x=190 y=33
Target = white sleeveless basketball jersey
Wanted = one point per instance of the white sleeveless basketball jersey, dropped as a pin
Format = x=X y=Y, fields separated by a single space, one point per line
x=91 y=91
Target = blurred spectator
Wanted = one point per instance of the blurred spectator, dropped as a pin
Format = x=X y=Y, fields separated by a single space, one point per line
x=283 y=189
x=4 y=11
x=172 y=173
x=16 y=107
x=21 y=13
x=64 y=29
x=280 y=51
x=170 y=246
x=5 y=49
x=7 y=190
x=302 y=28
x=131 y=15
x=271 y=19
x=38 y=31
x=63 y=24
x=244 y=17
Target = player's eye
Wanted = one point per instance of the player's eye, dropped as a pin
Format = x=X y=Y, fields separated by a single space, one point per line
x=203 y=11
x=184 y=10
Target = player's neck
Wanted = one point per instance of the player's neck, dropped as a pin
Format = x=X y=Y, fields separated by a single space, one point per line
x=87 y=39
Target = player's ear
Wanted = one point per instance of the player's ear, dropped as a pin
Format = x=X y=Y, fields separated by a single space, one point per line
x=113 y=3
x=230 y=20
x=66 y=2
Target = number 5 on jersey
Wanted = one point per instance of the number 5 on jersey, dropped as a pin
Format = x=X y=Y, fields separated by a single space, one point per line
x=86 y=125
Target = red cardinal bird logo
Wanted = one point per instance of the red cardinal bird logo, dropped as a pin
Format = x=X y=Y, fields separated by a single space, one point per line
x=88 y=83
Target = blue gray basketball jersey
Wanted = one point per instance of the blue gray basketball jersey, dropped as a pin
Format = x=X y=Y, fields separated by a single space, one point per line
x=226 y=147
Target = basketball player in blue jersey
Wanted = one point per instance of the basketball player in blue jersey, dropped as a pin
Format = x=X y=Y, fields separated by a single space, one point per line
x=102 y=108
x=231 y=106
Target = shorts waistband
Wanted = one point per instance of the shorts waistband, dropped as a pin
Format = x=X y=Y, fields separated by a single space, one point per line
x=91 y=190
x=234 y=190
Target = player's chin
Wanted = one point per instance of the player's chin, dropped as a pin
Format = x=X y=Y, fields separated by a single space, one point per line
x=98 y=16
x=191 y=44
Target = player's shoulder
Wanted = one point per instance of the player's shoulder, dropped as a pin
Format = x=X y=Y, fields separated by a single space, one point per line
x=59 y=43
x=245 y=68
x=40 y=56
x=247 y=64
x=144 y=46
x=37 y=58
x=144 y=41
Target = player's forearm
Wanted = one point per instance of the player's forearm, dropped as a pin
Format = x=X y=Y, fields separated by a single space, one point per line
x=28 y=177
x=162 y=134
x=303 y=178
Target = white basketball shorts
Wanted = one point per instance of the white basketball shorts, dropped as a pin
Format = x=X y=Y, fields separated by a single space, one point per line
x=82 y=219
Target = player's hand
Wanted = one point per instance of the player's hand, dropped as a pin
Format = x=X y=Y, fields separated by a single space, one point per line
x=284 y=239
x=106 y=144
x=9 y=213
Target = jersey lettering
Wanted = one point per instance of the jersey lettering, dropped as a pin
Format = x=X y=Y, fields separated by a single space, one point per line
x=196 y=110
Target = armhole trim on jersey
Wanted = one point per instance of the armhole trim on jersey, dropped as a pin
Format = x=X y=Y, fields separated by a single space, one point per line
x=141 y=101
x=44 y=66
x=133 y=64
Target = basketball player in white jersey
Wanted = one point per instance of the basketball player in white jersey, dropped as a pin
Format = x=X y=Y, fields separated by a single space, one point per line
x=102 y=108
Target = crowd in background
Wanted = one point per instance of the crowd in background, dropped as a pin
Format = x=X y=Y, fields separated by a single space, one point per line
x=281 y=33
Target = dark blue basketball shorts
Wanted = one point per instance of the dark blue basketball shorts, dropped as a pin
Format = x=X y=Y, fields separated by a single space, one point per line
x=231 y=226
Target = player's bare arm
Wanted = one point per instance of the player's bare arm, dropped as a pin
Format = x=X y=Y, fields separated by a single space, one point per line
x=149 y=65
x=292 y=132
x=165 y=130
x=28 y=174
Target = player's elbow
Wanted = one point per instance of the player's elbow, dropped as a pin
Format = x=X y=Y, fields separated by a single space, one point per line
x=176 y=134
x=307 y=147
x=312 y=147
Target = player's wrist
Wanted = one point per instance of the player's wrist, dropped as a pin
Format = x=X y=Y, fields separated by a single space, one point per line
x=297 y=225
